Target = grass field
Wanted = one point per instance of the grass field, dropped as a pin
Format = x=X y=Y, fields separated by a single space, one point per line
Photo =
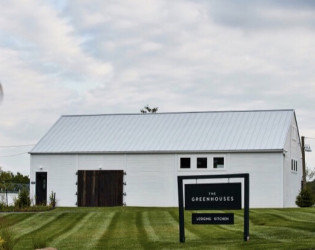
x=157 y=228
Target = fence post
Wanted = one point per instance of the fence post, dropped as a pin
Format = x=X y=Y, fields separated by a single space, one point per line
x=6 y=195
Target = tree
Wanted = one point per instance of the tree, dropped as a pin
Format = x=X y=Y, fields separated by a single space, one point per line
x=9 y=177
x=147 y=109
x=305 y=198
x=10 y=181
x=23 y=199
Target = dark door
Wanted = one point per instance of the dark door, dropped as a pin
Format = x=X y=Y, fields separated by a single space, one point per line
x=41 y=188
x=98 y=188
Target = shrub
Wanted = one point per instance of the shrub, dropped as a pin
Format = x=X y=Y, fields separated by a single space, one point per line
x=305 y=198
x=2 y=205
x=52 y=199
x=38 y=208
x=23 y=199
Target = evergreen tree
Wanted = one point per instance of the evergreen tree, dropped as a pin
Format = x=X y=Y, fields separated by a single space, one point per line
x=305 y=198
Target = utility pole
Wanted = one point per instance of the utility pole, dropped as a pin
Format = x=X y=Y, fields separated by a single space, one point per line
x=1 y=93
x=303 y=163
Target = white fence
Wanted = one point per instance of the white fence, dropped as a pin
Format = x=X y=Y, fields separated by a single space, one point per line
x=8 y=198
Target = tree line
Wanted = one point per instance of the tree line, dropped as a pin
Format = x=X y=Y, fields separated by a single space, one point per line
x=11 y=181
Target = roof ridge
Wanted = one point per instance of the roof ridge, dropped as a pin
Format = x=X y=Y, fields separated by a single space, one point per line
x=184 y=112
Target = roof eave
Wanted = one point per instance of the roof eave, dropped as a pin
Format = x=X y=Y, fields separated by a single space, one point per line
x=165 y=152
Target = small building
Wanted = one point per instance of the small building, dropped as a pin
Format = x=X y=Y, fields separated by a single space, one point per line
x=134 y=159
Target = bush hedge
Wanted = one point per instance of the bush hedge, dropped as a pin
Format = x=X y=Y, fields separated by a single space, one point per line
x=305 y=198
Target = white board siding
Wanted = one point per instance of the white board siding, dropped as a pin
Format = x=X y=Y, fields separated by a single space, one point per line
x=147 y=176
x=292 y=179
x=104 y=162
x=61 y=177
x=152 y=178
x=265 y=169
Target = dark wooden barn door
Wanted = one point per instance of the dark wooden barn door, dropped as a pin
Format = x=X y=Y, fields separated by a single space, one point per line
x=41 y=188
x=97 y=188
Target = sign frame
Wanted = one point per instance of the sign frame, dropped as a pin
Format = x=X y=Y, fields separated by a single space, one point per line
x=180 y=180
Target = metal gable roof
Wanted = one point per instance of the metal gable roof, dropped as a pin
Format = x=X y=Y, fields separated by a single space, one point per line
x=168 y=132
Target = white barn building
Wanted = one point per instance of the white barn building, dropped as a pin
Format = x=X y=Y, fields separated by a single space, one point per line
x=136 y=158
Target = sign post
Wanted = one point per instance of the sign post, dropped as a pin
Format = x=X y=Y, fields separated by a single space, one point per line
x=213 y=197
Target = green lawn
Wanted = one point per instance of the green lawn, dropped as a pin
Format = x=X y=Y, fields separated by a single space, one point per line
x=157 y=228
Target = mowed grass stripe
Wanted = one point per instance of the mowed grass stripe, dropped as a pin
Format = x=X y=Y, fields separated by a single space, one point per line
x=33 y=223
x=146 y=235
x=151 y=234
x=158 y=228
x=281 y=224
x=94 y=229
x=306 y=212
x=270 y=234
x=51 y=230
x=26 y=218
x=84 y=218
x=306 y=224
x=142 y=233
x=109 y=232
x=255 y=232
x=189 y=233
x=237 y=229
x=122 y=232
x=10 y=219
x=164 y=226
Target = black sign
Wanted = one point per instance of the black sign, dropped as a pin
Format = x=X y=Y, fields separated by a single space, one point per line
x=213 y=196
x=212 y=218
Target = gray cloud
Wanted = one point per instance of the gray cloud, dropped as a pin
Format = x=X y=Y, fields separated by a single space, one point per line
x=256 y=15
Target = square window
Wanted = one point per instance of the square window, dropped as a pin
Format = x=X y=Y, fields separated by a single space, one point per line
x=184 y=162
x=218 y=162
x=202 y=162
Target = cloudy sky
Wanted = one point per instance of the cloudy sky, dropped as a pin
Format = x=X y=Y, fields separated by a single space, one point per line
x=87 y=57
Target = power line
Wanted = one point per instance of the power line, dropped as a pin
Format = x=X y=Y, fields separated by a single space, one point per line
x=13 y=155
x=16 y=146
